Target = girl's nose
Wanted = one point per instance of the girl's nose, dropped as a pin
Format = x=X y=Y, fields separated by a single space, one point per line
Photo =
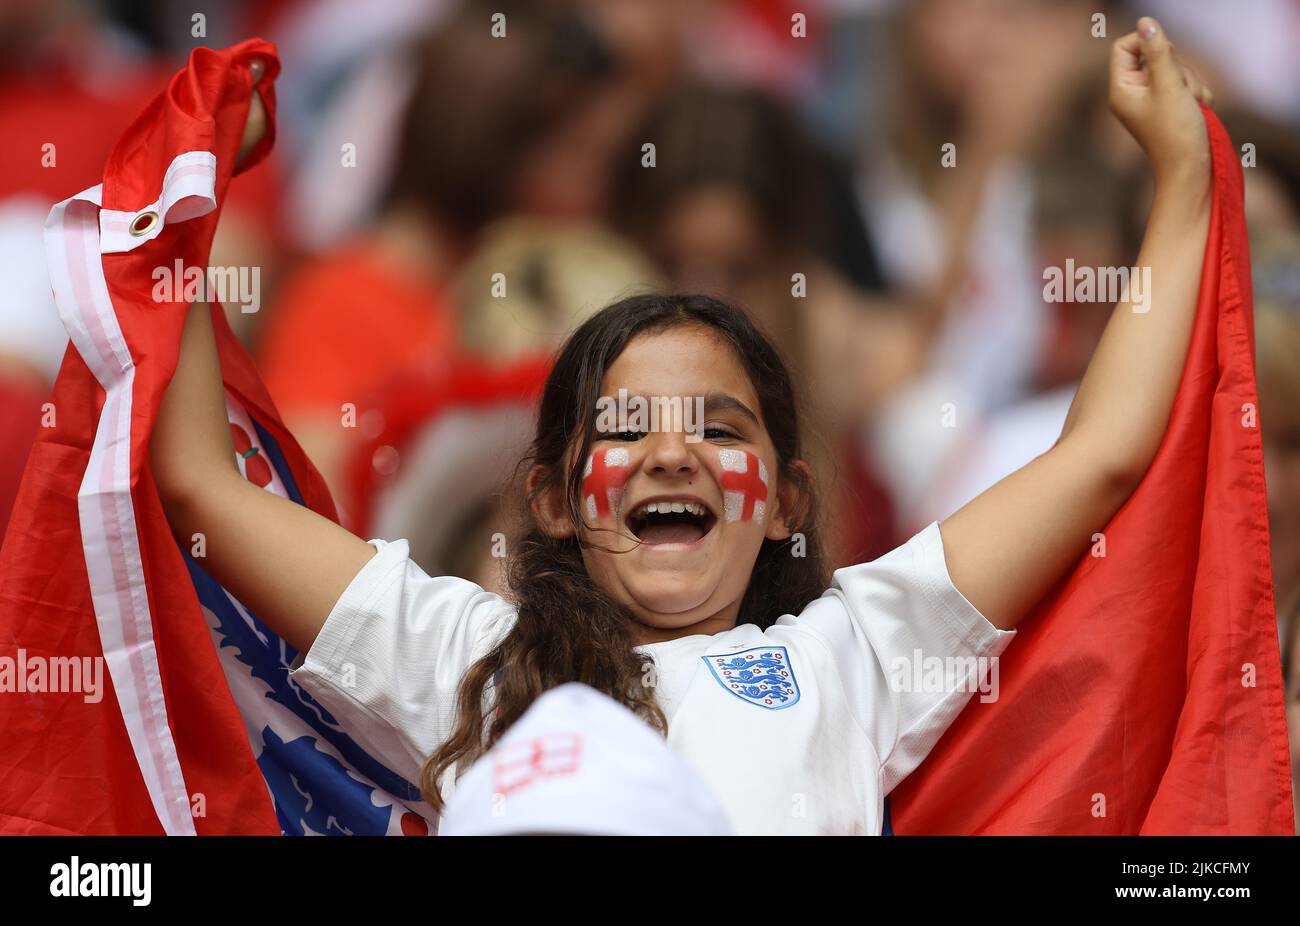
x=669 y=454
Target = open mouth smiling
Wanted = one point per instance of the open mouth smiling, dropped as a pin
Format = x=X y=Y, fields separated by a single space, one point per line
x=670 y=519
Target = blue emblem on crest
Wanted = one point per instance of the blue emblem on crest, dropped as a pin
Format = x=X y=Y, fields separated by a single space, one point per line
x=761 y=676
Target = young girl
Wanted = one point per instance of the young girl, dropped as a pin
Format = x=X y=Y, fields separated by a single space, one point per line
x=680 y=576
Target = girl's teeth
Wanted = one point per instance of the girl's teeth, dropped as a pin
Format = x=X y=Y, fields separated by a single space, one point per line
x=673 y=507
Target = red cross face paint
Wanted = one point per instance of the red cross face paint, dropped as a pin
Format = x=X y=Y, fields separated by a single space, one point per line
x=602 y=481
x=744 y=486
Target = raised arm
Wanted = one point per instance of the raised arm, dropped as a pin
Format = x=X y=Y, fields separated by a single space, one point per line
x=288 y=564
x=1008 y=547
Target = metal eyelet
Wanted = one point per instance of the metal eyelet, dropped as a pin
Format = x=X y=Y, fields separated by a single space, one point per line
x=144 y=223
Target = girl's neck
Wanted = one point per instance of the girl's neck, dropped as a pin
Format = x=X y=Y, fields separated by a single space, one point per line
x=724 y=620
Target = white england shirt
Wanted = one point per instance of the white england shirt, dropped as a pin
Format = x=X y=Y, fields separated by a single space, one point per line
x=799 y=729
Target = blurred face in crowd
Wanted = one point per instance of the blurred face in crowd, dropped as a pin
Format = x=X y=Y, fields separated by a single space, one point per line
x=690 y=559
x=954 y=40
x=567 y=174
x=710 y=241
x=963 y=50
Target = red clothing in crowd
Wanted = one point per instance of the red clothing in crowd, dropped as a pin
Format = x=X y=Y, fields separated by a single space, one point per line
x=345 y=324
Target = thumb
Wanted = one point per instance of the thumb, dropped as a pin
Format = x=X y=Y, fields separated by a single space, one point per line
x=1158 y=54
x=255 y=124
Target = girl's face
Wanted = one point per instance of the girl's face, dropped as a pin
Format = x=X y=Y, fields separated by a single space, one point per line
x=682 y=567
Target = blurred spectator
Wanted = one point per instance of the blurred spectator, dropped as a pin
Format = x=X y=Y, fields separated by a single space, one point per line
x=347 y=79
x=69 y=82
x=1080 y=211
x=489 y=129
x=32 y=338
x=989 y=79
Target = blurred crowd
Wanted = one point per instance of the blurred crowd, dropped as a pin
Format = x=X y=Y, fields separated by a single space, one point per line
x=444 y=204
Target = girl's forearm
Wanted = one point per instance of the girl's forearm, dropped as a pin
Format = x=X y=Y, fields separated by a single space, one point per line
x=282 y=560
x=1122 y=407
x=191 y=447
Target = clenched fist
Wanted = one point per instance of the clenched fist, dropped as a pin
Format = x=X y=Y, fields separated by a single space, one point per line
x=1155 y=96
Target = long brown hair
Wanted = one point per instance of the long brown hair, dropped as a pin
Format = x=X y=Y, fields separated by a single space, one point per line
x=569 y=629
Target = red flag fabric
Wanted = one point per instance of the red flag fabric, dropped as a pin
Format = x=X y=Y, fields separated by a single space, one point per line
x=1144 y=696
x=89 y=567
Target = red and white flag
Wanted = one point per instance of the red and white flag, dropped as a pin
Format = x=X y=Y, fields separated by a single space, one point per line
x=180 y=736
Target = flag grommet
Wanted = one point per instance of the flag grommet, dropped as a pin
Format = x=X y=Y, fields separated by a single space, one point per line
x=144 y=223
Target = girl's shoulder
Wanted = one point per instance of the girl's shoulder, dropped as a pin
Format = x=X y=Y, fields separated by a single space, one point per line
x=418 y=609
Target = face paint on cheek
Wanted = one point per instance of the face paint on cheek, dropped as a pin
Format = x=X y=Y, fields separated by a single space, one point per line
x=744 y=485
x=602 y=481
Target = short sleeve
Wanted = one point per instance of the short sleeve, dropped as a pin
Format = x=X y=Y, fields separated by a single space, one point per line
x=389 y=659
x=910 y=649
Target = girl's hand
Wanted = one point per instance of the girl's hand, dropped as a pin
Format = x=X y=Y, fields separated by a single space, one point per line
x=1155 y=96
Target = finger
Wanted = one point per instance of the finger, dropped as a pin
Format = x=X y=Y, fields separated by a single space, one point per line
x=1197 y=86
x=255 y=123
x=1158 y=56
x=1126 y=61
x=254 y=129
x=1126 y=53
